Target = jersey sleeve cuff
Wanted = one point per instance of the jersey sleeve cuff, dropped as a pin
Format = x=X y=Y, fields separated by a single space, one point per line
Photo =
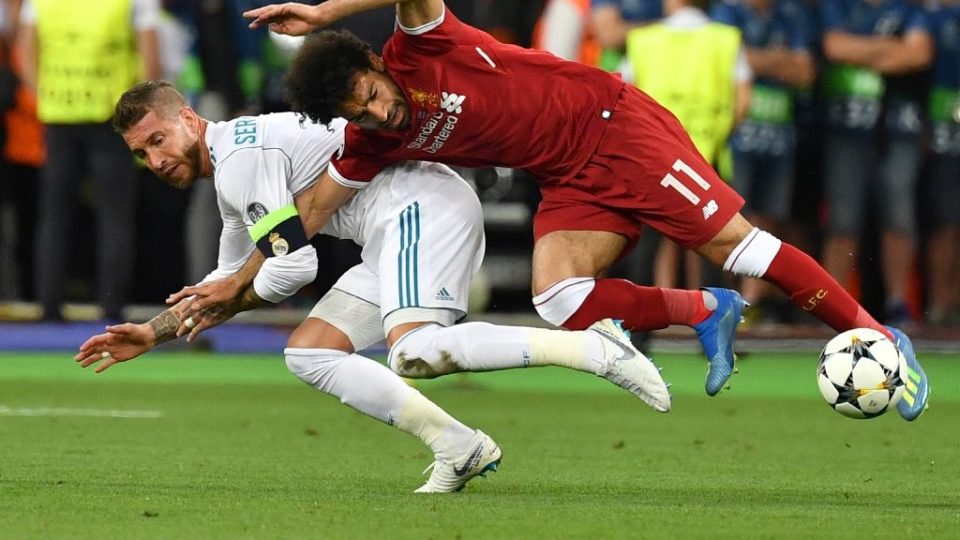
x=423 y=28
x=343 y=180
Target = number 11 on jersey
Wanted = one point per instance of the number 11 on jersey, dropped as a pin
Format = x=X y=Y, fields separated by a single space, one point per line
x=671 y=181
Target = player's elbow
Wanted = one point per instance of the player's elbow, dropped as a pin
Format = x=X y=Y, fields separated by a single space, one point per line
x=281 y=277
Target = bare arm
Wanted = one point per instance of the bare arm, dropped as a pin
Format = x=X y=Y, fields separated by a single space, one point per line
x=27 y=43
x=127 y=341
x=123 y=342
x=795 y=68
x=200 y=320
x=299 y=19
x=914 y=52
x=741 y=101
x=149 y=49
x=315 y=206
x=888 y=55
x=318 y=204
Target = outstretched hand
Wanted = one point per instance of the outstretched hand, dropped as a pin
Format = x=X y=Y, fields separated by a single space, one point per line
x=291 y=18
x=119 y=343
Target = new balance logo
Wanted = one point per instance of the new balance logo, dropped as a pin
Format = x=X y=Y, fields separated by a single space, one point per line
x=442 y=294
x=710 y=209
x=452 y=102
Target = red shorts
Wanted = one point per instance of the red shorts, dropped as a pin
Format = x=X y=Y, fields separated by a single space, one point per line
x=644 y=170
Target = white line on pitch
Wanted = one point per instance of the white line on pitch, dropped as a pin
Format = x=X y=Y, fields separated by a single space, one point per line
x=64 y=411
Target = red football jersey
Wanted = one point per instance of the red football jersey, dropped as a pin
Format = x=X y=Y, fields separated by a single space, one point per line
x=476 y=102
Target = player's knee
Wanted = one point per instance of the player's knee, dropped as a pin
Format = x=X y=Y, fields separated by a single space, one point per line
x=754 y=254
x=419 y=354
x=562 y=299
x=316 y=333
x=310 y=365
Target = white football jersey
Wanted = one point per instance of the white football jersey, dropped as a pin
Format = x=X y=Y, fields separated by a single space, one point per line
x=260 y=164
x=420 y=224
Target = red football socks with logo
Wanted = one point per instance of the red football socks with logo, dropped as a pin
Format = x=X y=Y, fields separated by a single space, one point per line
x=815 y=291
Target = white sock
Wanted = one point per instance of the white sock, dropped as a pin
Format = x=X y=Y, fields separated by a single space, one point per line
x=374 y=390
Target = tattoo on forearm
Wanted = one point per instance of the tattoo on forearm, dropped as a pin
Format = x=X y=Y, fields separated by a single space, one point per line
x=165 y=326
x=249 y=300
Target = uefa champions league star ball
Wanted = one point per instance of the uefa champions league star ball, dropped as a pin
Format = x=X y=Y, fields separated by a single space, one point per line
x=859 y=373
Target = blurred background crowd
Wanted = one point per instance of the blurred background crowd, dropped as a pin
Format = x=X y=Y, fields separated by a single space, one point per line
x=837 y=120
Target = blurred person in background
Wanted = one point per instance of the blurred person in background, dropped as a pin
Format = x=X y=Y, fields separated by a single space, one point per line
x=697 y=69
x=776 y=36
x=873 y=83
x=78 y=58
x=21 y=155
x=613 y=19
x=943 y=187
x=564 y=29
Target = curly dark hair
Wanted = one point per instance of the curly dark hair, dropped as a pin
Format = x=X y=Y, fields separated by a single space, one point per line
x=321 y=77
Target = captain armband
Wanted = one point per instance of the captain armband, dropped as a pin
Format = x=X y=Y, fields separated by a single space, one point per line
x=279 y=232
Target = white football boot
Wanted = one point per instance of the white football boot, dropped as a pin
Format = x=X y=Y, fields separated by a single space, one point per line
x=625 y=366
x=447 y=477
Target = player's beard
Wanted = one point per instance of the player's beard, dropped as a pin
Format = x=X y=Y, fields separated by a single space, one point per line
x=402 y=110
x=191 y=161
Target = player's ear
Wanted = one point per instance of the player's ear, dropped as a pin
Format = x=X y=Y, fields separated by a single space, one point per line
x=189 y=116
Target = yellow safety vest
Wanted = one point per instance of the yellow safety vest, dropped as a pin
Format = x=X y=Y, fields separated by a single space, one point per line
x=690 y=71
x=87 y=58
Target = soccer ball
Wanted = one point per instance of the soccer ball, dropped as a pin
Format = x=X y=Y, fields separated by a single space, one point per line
x=859 y=373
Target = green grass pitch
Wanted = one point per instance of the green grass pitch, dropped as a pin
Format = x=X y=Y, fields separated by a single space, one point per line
x=235 y=447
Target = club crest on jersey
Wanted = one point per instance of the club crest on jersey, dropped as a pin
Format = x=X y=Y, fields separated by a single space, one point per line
x=256 y=211
x=452 y=103
x=278 y=245
x=422 y=98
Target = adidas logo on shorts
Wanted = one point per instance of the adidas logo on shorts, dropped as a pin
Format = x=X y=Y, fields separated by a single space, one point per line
x=442 y=294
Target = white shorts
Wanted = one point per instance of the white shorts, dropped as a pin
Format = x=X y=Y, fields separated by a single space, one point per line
x=421 y=228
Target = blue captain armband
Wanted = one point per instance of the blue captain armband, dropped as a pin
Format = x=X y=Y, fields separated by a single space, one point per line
x=279 y=232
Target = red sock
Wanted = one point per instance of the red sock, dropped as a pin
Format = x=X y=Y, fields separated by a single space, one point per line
x=815 y=291
x=640 y=308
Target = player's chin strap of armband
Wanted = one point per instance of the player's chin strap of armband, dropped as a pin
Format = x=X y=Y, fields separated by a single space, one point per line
x=279 y=232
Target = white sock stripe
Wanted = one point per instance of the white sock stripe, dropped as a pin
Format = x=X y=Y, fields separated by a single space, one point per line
x=559 y=302
x=735 y=254
x=754 y=255
x=557 y=288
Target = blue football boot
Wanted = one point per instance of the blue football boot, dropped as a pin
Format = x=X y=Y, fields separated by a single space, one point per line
x=916 y=390
x=716 y=334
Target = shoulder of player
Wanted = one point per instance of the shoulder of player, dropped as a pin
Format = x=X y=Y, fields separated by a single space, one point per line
x=255 y=134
